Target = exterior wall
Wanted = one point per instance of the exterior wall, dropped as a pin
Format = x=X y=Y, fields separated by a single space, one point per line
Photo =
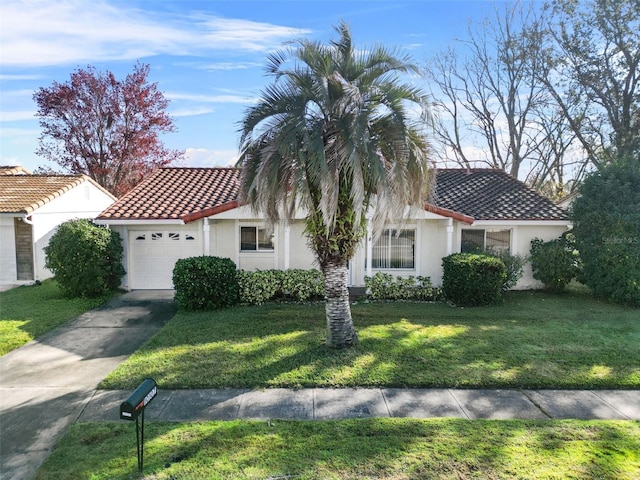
x=525 y=235
x=225 y=242
x=83 y=201
x=521 y=235
x=431 y=244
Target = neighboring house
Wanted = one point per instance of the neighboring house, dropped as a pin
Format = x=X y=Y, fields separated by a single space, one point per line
x=183 y=212
x=31 y=207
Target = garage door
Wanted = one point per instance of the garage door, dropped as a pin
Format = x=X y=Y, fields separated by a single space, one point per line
x=154 y=253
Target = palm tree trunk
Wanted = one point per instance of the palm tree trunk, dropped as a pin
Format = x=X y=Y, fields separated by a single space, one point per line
x=340 y=331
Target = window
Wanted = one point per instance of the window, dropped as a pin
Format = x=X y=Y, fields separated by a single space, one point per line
x=489 y=240
x=255 y=239
x=394 y=249
x=156 y=236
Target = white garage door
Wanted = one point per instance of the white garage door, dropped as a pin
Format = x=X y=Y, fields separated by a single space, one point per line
x=154 y=254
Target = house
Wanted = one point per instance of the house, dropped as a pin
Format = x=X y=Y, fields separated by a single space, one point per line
x=31 y=207
x=183 y=212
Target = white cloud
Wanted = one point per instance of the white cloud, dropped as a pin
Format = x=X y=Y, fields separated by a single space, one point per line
x=17 y=115
x=191 y=112
x=202 y=157
x=41 y=32
x=194 y=97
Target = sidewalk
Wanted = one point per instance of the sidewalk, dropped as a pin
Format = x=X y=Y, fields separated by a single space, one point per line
x=51 y=382
x=327 y=404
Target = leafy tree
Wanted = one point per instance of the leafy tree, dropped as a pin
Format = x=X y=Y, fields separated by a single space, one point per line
x=333 y=135
x=105 y=128
x=85 y=259
x=606 y=219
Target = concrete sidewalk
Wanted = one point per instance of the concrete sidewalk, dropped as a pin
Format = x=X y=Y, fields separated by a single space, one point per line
x=327 y=404
x=51 y=382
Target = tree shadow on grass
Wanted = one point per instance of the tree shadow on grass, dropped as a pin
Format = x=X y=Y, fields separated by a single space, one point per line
x=363 y=448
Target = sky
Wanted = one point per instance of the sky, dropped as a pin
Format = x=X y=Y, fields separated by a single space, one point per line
x=207 y=56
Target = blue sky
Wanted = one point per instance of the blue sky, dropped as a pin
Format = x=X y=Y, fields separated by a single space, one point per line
x=206 y=56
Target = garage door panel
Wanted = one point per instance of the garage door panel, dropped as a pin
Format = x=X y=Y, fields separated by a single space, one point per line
x=155 y=253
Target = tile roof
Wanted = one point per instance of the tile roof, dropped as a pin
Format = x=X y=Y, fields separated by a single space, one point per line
x=487 y=194
x=188 y=194
x=25 y=193
x=178 y=194
x=13 y=170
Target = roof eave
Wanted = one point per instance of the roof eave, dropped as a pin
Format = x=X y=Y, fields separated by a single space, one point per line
x=445 y=212
x=209 y=212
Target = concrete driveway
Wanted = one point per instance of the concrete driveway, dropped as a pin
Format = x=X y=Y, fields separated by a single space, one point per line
x=46 y=384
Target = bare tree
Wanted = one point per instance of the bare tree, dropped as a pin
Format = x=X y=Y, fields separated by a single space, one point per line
x=593 y=73
x=493 y=107
x=486 y=95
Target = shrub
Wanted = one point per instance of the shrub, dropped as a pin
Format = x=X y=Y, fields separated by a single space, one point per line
x=514 y=265
x=301 y=285
x=554 y=263
x=382 y=286
x=471 y=279
x=260 y=286
x=606 y=218
x=205 y=283
x=264 y=286
x=86 y=259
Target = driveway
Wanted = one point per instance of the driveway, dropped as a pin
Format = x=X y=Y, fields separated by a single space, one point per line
x=46 y=384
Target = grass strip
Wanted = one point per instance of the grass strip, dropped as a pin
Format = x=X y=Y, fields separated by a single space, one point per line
x=393 y=449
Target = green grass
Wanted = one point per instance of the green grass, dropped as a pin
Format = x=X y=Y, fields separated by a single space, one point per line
x=28 y=312
x=392 y=449
x=533 y=340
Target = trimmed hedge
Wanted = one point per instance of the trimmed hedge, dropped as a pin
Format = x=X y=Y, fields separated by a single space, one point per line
x=86 y=259
x=205 y=283
x=470 y=279
x=382 y=286
x=296 y=285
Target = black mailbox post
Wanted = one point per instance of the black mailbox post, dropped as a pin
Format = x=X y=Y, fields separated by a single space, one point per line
x=133 y=408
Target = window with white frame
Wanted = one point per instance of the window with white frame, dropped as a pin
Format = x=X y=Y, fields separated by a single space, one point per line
x=474 y=240
x=395 y=249
x=255 y=239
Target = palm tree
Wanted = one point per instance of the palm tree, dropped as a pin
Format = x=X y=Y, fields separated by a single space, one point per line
x=335 y=136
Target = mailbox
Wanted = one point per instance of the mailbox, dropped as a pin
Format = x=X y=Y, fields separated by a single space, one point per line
x=131 y=408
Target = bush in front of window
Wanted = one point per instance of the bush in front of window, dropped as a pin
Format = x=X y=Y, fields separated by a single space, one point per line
x=260 y=286
x=383 y=286
x=472 y=280
x=295 y=285
x=302 y=285
x=514 y=265
x=86 y=259
x=554 y=263
x=205 y=283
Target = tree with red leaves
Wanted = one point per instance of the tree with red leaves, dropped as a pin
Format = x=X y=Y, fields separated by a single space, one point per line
x=105 y=128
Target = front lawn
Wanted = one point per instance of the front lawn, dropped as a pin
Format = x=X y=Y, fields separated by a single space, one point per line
x=28 y=312
x=533 y=340
x=398 y=449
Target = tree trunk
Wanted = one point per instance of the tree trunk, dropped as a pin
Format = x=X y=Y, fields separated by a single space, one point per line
x=340 y=331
